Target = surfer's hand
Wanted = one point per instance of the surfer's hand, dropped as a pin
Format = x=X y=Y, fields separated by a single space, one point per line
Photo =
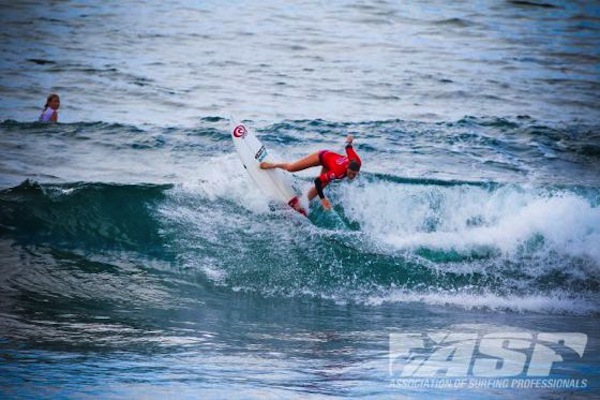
x=325 y=203
x=349 y=139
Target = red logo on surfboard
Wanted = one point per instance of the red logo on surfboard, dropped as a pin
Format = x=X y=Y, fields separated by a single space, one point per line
x=239 y=131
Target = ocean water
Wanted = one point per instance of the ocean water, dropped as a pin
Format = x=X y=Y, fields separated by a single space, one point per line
x=138 y=260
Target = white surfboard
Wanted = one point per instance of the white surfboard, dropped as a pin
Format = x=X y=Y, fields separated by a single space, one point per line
x=275 y=183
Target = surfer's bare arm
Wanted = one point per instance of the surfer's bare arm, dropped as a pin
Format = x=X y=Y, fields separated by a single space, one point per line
x=349 y=140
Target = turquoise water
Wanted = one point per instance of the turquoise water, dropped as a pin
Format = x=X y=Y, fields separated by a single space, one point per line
x=139 y=260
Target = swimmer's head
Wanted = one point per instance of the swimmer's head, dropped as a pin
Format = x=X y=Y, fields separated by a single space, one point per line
x=53 y=101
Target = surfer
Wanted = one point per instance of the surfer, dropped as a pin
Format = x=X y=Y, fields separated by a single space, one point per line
x=334 y=166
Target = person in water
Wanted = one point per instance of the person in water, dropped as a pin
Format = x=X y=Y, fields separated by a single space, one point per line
x=50 y=112
x=334 y=166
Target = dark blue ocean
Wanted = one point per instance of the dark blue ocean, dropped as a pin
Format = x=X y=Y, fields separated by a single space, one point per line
x=139 y=261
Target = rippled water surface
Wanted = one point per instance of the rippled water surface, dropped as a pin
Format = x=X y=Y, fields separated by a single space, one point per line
x=138 y=260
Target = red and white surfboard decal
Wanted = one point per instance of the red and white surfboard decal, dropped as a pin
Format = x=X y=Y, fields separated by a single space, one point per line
x=239 y=131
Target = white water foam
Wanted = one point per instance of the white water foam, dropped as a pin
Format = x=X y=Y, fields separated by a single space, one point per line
x=557 y=302
x=212 y=232
x=466 y=218
x=225 y=178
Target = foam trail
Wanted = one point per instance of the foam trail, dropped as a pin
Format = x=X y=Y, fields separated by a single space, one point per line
x=227 y=179
x=557 y=302
x=466 y=218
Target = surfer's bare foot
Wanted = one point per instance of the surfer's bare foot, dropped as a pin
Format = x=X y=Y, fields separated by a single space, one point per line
x=266 y=165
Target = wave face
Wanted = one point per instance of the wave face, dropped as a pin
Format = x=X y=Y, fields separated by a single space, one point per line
x=522 y=241
x=83 y=216
x=500 y=247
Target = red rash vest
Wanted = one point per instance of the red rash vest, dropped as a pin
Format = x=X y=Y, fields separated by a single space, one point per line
x=335 y=166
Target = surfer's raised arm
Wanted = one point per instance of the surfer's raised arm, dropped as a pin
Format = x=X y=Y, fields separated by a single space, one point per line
x=334 y=166
x=349 y=140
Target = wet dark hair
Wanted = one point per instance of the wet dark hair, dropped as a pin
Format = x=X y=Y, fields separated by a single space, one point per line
x=49 y=99
x=354 y=165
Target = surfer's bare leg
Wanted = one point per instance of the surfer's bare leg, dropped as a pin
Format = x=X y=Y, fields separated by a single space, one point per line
x=311 y=160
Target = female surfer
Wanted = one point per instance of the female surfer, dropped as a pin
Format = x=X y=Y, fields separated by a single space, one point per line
x=334 y=166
